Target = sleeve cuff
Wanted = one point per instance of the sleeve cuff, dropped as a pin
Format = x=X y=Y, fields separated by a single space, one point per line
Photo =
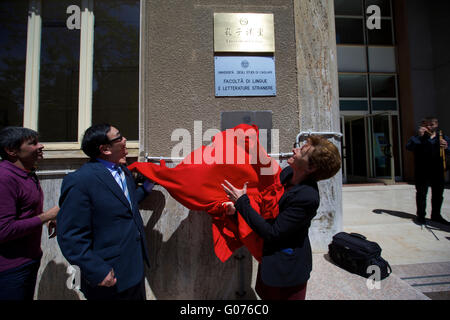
x=148 y=186
x=35 y=222
x=242 y=201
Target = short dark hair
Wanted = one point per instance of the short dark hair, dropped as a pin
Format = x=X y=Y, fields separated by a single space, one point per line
x=93 y=138
x=13 y=137
x=427 y=120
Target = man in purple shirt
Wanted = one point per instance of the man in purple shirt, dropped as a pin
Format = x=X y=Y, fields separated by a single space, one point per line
x=21 y=215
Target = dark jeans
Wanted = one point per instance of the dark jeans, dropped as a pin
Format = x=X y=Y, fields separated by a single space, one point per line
x=437 y=191
x=136 y=292
x=19 y=283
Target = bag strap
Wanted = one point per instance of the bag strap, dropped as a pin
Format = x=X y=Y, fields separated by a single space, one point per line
x=389 y=267
x=357 y=235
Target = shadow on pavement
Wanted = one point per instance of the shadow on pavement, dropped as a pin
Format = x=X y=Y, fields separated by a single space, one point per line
x=429 y=223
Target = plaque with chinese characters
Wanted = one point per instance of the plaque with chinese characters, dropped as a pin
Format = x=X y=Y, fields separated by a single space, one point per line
x=243 y=32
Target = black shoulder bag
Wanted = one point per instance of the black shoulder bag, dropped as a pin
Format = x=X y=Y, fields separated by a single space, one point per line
x=354 y=253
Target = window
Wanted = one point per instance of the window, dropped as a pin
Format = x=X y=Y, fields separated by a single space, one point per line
x=351 y=20
x=348 y=7
x=13 y=32
x=349 y=31
x=353 y=105
x=116 y=65
x=366 y=58
x=351 y=59
x=382 y=36
x=352 y=86
x=59 y=74
x=383 y=86
x=382 y=59
x=353 y=92
x=73 y=77
x=385 y=6
x=384 y=92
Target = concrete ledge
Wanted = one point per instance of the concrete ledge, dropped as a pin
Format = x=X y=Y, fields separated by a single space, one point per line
x=377 y=187
x=330 y=282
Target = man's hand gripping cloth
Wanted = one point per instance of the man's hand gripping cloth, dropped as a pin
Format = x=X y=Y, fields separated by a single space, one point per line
x=237 y=156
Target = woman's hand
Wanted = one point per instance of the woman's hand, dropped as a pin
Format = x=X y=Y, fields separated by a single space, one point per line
x=230 y=209
x=233 y=193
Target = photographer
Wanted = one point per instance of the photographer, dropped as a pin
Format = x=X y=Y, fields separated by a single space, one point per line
x=430 y=148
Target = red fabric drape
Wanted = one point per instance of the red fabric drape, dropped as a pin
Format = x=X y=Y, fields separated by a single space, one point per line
x=237 y=156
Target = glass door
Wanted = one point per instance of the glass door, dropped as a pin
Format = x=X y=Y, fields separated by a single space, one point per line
x=381 y=151
x=343 y=150
x=355 y=152
x=369 y=152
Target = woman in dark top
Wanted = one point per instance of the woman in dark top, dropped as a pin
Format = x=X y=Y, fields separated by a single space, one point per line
x=287 y=259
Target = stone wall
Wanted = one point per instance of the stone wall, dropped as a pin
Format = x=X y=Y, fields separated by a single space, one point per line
x=177 y=60
x=52 y=275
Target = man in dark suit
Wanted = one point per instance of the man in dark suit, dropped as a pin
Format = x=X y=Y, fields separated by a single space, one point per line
x=287 y=258
x=100 y=229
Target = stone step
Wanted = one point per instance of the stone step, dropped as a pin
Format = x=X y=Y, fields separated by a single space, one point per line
x=429 y=283
x=432 y=279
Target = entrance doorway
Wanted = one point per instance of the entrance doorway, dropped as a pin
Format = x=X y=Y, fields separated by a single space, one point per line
x=370 y=148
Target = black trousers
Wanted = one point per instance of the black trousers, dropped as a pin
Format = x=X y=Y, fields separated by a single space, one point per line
x=437 y=197
x=136 y=292
x=266 y=292
x=19 y=283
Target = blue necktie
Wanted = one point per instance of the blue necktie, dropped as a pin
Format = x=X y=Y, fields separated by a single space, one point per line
x=123 y=183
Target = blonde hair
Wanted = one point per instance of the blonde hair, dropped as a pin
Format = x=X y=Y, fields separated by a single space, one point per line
x=325 y=157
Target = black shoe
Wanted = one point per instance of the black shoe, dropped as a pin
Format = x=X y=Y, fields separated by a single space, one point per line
x=441 y=221
x=419 y=220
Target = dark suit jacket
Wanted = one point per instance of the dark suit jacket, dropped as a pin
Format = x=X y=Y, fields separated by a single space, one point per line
x=98 y=230
x=428 y=164
x=298 y=205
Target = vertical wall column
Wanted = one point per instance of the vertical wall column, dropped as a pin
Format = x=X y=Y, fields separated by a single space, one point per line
x=318 y=102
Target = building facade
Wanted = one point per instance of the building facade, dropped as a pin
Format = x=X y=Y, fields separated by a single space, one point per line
x=389 y=78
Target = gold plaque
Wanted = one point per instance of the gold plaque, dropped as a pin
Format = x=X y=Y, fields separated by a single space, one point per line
x=243 y=32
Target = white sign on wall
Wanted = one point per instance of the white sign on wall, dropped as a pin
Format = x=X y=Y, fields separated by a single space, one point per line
x=244 y=76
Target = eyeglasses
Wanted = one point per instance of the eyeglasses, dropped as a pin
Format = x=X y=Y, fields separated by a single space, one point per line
x=296 y=145
x=118 y=138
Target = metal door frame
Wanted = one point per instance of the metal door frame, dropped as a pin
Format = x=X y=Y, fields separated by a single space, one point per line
x=372 y=176
x=370 y=164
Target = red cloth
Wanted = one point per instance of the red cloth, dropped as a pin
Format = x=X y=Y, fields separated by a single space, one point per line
x=196 y=183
